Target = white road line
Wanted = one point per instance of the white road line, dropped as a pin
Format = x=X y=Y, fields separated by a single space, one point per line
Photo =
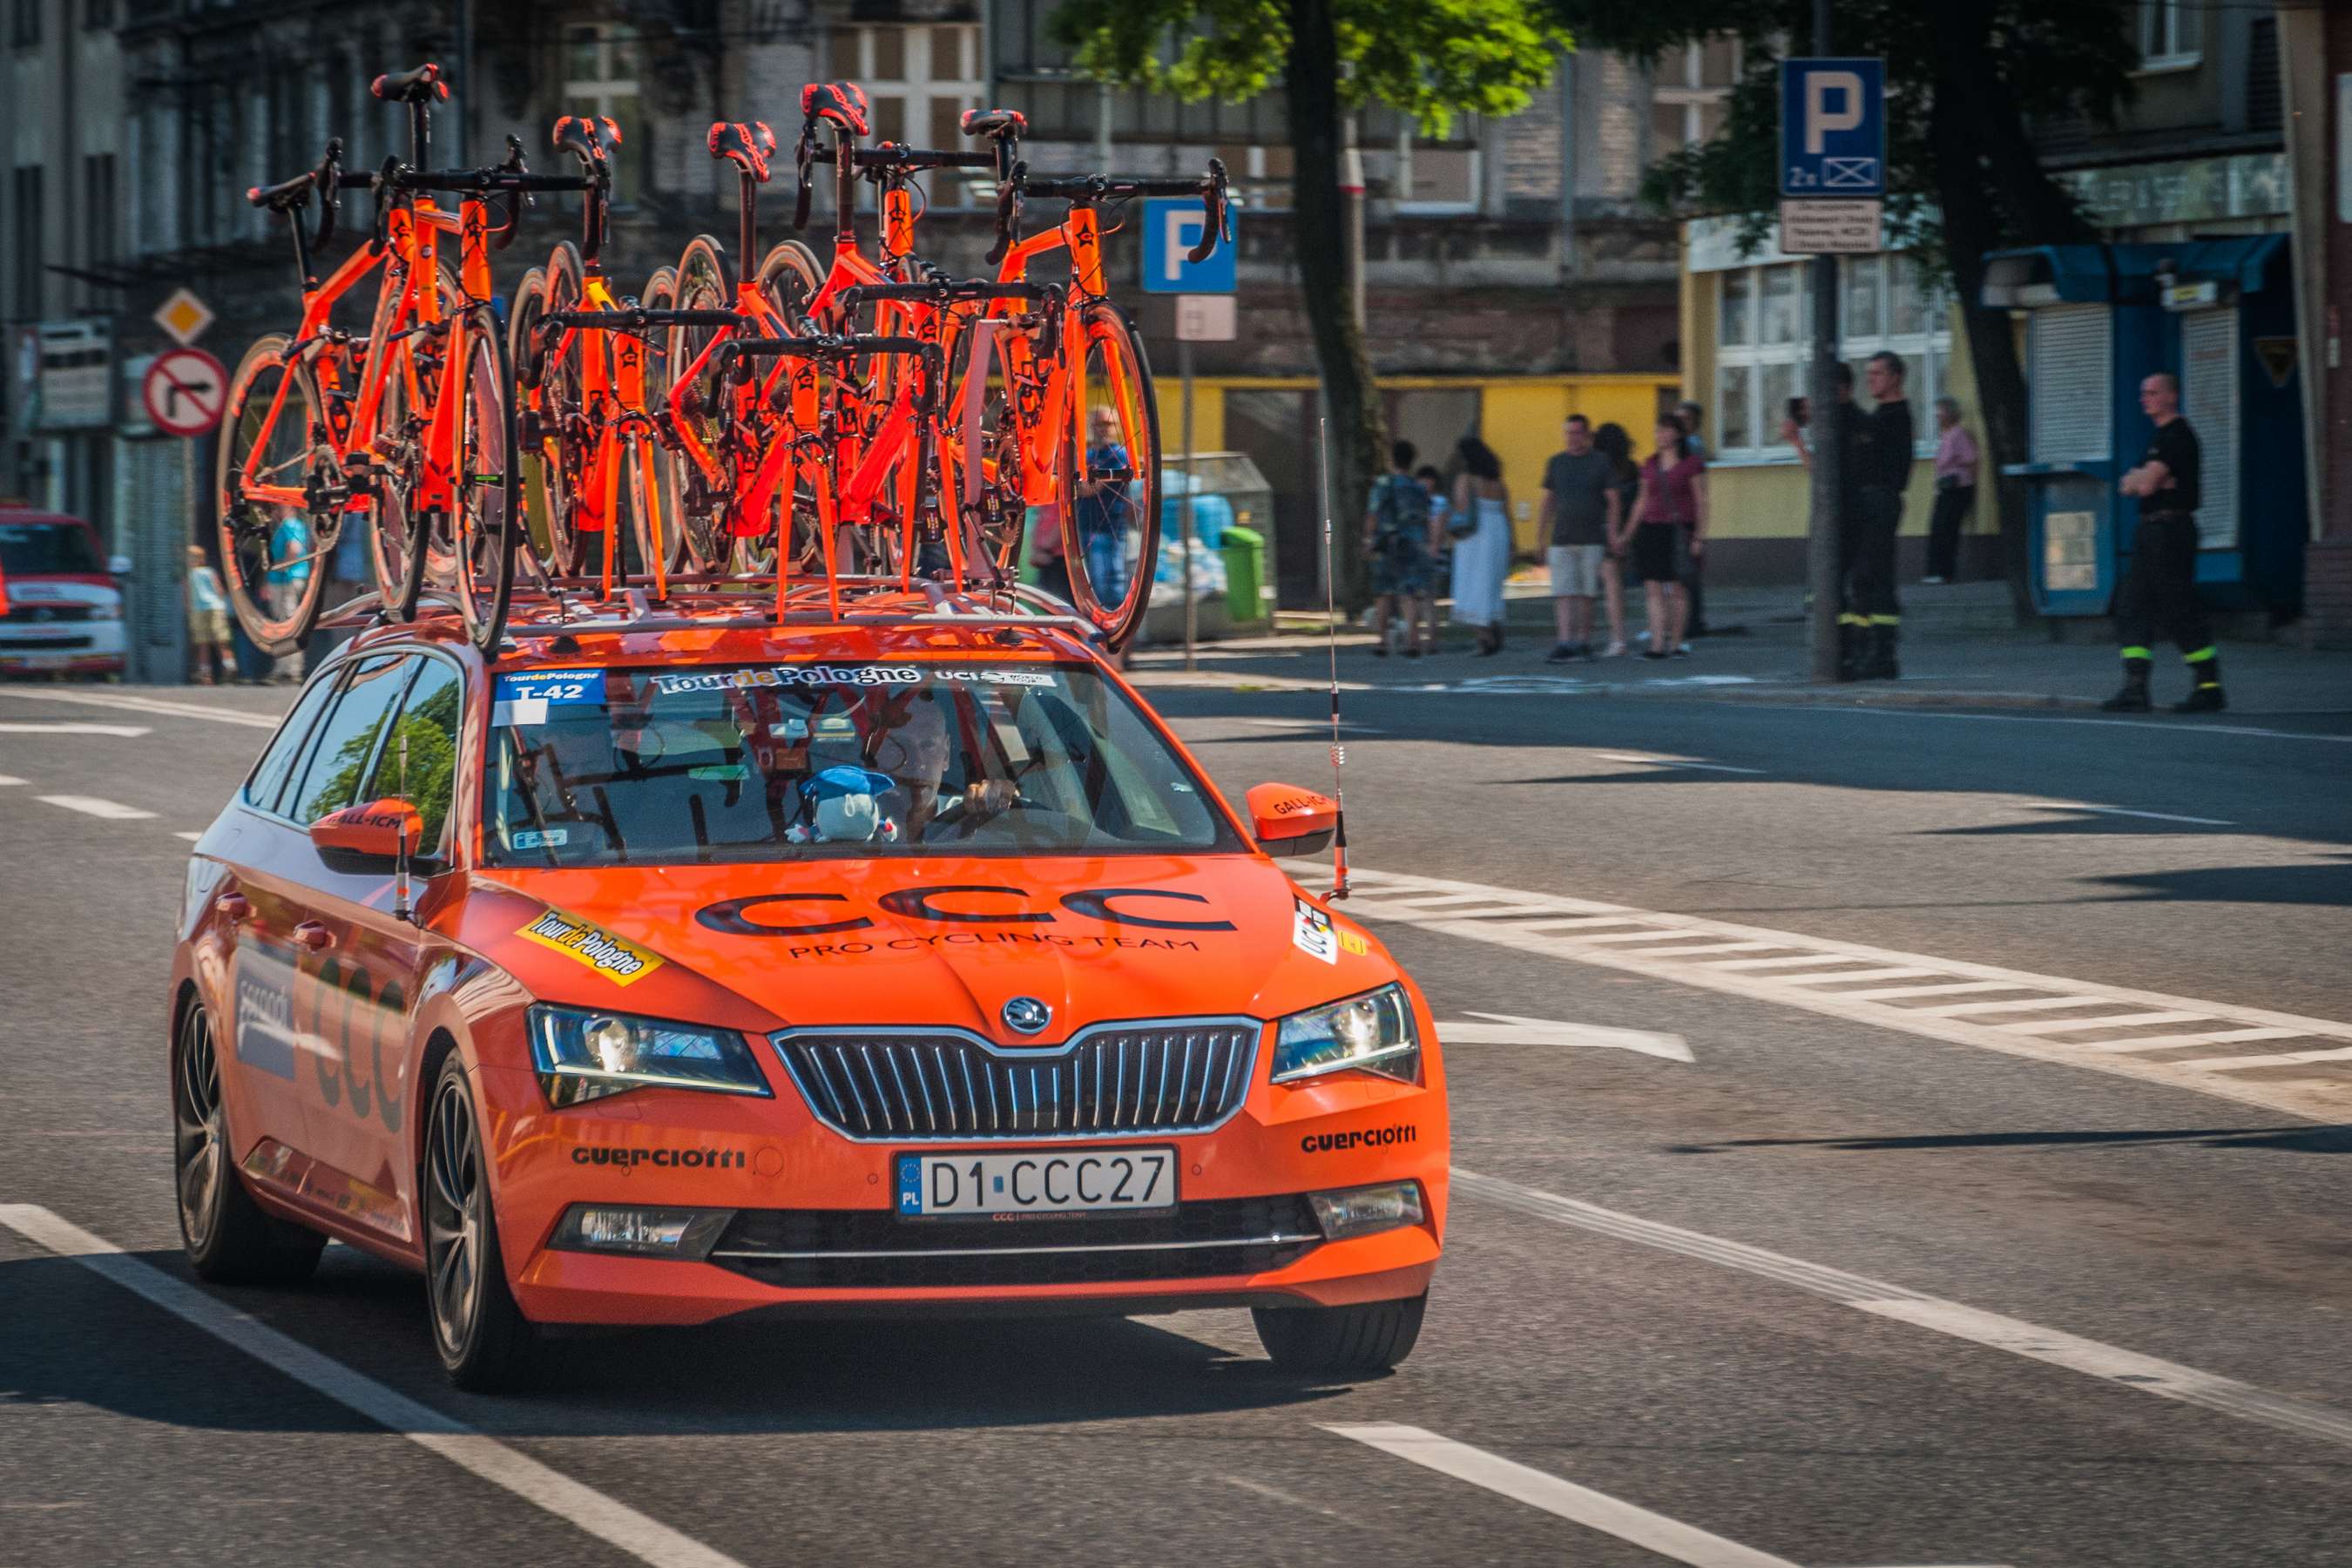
x=2168 y=1380
x=75 y=727
x=1346 y=728
x=2163 y=1042
x=91 y=805
x=1655 y=1532
x=2120 y=1021
x=1813 y=972
x=7 y=779
x=2018 y=1004
x=2283 y=1059
x=2107 y=723
x=1673 y=762
x=2123 y=811
x=149 y=705
x=643 y=1538
x=191 y=837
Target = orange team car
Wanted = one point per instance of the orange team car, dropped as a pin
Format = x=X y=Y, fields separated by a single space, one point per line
x=678 y=966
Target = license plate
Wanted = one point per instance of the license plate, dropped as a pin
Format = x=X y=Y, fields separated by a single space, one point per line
x=1129 y=1181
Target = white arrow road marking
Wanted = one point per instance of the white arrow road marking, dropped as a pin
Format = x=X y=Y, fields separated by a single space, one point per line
x=2166 y=1380
x=646 y=1539
x=1655 y=1532
x=1504 y=1029
x=69 y=727
x=91 y=805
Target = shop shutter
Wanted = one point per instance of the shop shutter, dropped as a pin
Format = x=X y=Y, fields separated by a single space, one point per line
x=2070 y=357
x=2208 y=396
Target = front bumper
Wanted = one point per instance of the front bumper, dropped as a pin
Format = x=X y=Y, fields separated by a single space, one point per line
x=814 y=1232
x=70 y=647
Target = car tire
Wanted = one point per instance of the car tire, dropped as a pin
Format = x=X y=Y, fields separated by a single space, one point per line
x=228 y=1239
x=486 y=1344
x=1370 y=1336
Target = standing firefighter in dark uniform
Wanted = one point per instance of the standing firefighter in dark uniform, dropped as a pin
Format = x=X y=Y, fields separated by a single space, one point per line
x=2158 y=596
x=1877 y=472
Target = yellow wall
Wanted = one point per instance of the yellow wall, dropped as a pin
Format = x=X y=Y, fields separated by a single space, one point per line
x=1519 y=417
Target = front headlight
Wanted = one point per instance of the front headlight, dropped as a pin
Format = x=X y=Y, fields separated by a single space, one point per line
x=102 y=611
x=1373 y=1032
x=586 y=1055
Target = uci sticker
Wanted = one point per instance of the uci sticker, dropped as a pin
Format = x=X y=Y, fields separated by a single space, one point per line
x=618 y=960
x=525 y=697
x=1312 y=930
x=541 y=837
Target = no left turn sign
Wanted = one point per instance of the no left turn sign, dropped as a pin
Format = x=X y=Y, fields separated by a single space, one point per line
x=185 y=391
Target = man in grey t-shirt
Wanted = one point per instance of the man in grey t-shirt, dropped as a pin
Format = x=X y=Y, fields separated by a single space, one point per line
x=1576 y=524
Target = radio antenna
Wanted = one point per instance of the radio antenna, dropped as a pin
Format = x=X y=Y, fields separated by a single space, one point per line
x=1331 y=638
x=400 y=909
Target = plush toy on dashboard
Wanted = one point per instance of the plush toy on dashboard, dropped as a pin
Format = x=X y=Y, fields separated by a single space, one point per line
x=840 y=805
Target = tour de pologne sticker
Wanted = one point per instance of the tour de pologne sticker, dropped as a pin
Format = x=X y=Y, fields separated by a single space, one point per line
x=525 y=697
x=1313 y=933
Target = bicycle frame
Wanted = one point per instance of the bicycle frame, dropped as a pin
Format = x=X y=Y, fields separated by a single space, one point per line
x=613 y=396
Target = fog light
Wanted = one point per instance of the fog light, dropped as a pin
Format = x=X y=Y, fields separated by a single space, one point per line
x=666 y=1233
x=1367 y=1211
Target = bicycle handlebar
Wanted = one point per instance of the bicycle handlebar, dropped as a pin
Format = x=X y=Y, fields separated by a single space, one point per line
x=942 y=292
x=630 y=318
x=1210 y=187
x=889 y=156
x=290 y=196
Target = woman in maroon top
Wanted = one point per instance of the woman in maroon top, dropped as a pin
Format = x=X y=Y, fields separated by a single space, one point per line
x=1669 y=528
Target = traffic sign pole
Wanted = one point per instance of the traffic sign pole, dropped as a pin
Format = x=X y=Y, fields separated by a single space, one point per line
x=1184 y=506
x=1822 y=543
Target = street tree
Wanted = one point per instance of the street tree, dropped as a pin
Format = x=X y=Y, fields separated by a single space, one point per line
x=1428 y=59
x=1966 y=80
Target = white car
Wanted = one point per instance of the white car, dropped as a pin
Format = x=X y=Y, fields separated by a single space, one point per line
x=64 y=603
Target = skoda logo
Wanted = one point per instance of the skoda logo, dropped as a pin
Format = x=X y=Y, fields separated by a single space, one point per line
x=1026 y=1015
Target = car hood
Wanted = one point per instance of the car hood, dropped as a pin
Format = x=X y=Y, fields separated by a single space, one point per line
x=927 y=943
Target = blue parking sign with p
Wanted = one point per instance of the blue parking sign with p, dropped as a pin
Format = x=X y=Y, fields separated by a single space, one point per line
x=1172 y=226
x=1833 y=128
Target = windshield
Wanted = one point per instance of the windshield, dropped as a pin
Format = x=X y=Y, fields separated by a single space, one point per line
x=41 y=549
x=787 y=762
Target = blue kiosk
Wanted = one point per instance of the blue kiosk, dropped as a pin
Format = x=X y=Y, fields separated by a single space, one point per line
x=2219 y=313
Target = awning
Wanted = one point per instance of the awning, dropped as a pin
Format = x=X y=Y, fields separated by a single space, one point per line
x=2123 y=274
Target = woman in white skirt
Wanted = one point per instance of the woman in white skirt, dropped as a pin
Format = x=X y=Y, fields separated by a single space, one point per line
x=1480 y=522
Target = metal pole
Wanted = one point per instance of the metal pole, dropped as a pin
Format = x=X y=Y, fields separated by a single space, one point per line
x=1821 y=553
x=1184 y=506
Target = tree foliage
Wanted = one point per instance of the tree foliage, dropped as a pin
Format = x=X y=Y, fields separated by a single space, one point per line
x=1430 y=58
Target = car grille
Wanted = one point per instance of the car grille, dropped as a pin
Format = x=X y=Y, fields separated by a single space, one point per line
x=46 y=644
x=873 y=1248
x=1176 y=1076
x=46 y=613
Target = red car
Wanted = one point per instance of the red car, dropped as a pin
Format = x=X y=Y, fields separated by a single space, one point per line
x=60 y=603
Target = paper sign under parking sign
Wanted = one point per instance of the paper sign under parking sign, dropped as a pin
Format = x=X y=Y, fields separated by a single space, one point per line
x=1313 y=933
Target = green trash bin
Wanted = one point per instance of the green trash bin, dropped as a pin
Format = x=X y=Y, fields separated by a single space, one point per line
x=1243 y=549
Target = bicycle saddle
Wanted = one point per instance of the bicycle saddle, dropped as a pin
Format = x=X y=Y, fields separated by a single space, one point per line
x=994 y=123
x=745 y=146
x=422 y=85
x=841 y=102
x=588 y=137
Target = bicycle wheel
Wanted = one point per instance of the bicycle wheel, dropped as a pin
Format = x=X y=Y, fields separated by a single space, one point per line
x=792 y=278
x=1115 y=547
x=489 y=492
x=401 y=543
x=647 y=484
x=273 y=547
x=530 y=456
x=567 y=444
x=981 y=440
x=691 y=504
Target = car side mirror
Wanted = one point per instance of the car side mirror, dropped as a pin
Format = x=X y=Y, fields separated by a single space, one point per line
x=118 y=565
x=372 y=837
x=1287 y=820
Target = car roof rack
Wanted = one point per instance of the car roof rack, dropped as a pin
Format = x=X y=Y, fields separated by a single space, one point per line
x=560 y=609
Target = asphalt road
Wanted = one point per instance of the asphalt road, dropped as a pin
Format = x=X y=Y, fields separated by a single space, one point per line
x=1833 y=1292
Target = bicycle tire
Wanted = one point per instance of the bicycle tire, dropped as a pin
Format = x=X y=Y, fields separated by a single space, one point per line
x=247 y=528
x=1125 y=378
x=790 y=275
x=561 y=404
x=523 y=321
x=706 y=281
x=485 y=526
x=651 y=478
x=402 y=548
x=996 y=529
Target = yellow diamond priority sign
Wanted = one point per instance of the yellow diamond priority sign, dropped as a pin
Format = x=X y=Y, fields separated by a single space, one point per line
x=184 y=316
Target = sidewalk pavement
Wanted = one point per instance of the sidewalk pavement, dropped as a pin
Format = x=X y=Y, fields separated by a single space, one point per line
x=1960 y=648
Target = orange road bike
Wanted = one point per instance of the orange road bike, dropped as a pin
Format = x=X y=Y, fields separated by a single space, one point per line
x=407 y=431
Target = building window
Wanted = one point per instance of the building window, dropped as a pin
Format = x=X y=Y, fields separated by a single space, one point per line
x=918 y=79
x=24 y=22
x=603 y=63
x=25 y=212
x=98 y=16
x=2171 y=34
x=102 y=244
x=1763 y=344
x=1690 y=92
